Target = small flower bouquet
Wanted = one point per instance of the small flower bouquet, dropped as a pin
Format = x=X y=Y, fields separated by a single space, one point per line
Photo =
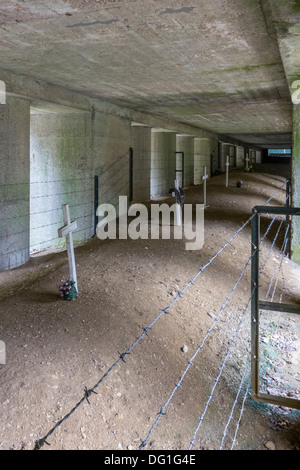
x=67 y=289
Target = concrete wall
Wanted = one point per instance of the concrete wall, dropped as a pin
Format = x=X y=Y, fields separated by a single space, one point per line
x=295 y=243
x=73 y=138
x=141 y=144
x=258 y=156
x=252 y=156
x=111 y=151
x=240 y=157
x=225 y=150
x=60 y=173
x=163 y=162
x=185 y=144
x=14 y=182
x=202 y=158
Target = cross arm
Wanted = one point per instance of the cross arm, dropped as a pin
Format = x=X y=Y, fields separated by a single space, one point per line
x=64 y=231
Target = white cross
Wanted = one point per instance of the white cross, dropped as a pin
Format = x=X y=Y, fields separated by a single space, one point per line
x=227 y=169
x=66 y=231
x=204 y=177
x=178 y=206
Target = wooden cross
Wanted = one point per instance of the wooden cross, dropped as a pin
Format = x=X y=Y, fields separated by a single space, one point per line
x=227 y=169
x=204 y=177
x=66 y=231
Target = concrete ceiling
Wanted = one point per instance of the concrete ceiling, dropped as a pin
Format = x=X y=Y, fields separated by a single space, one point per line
x=226 y=66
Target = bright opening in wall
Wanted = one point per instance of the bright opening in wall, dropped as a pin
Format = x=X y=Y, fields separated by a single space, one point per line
x=279 y=152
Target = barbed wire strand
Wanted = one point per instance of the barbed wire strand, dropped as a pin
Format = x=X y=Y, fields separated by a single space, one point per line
x=236 y=399
x=224 y=362
x=40 y=442
x=178 y=384
x=246 y=365
x=222 y=368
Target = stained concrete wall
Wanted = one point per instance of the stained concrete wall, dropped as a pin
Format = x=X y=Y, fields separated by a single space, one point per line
x=295 y=243
x=240 y=156
x=60 y=173
x=185 y=144
x=14 y=182
x=202 y=158
x=258 y=156
x=141 y=144
x=112 y=141
x=224 y=152
x=163 y=162
x=74 y=138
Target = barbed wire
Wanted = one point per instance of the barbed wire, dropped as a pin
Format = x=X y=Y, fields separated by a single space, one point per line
x=71 y=180
x=40 y=442
x=227 y=356
x=235 y=403
x=283 y=248
x=178 y=384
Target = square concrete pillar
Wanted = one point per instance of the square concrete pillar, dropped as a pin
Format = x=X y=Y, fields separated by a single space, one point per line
x=141 y=145
x=185 y=146
x=14 y=182
x=163 y=162
x=112 y=141
x=240 y=157
x=202 y=158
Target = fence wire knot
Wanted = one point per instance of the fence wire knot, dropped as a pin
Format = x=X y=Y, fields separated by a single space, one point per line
x=122 y=355
x=143 y=443
x=145 y=329
x=39 y=444
x=87 y=393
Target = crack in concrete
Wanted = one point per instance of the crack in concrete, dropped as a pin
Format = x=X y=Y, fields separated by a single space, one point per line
x=92 y=23
x=179 y=10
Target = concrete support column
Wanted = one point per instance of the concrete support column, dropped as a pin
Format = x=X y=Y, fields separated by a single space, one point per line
x=225 y=151
x=202 y=158
x=258 y=156
x=163 y=162
x=14 y=182
x=141 y=144
x=185 y=144
x=295 y=242
x=240 y=157
x=111 y=156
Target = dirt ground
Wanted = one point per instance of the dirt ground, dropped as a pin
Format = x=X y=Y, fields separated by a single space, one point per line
x=56 y=348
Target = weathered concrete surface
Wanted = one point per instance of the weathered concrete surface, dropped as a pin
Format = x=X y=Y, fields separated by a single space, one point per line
x=60 y=173
x=14 y=183
x=223 y=66
x=141 y=144
x=288 y=32
x=295 y=245
x=185 y=144
x=214 y=65
x=111 y=141
x=163 y=162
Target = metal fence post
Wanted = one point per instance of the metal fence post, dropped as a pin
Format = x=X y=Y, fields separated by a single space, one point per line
x=288 y=218
x=255 y=228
